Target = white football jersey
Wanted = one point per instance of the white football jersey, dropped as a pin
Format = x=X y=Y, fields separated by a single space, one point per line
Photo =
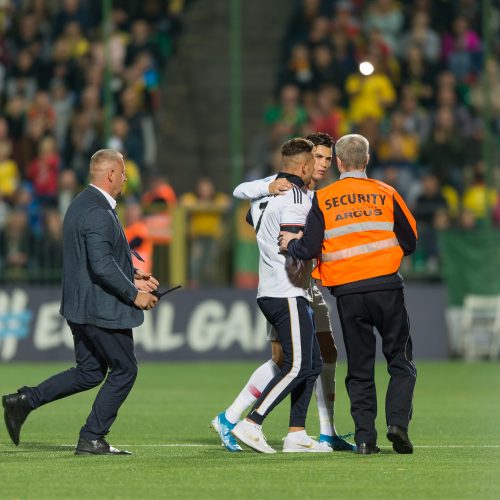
x=270 y=214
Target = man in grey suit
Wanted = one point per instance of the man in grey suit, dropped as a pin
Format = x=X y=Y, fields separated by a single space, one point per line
x=103 y=298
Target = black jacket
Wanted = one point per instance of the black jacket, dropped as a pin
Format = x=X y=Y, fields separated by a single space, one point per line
x=98 y=276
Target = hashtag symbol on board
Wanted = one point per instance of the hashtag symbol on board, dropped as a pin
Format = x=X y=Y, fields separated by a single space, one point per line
x=15 y=324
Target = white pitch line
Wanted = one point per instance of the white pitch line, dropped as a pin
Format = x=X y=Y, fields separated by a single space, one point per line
x=203 y=445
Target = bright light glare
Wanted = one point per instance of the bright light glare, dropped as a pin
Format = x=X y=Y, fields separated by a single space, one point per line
x=366 y=68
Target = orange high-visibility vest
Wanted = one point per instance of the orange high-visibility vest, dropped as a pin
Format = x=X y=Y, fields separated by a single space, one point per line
x=359 y=240
x=145 y=250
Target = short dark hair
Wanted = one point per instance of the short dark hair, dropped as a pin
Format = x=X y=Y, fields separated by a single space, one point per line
x=296 y=146
x=321 y=139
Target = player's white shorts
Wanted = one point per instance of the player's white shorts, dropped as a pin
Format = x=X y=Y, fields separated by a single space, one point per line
x=320 y=312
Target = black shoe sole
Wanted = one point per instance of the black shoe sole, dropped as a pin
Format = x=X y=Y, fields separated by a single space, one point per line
x=370 y=452
x=79 y=452
x=399 y=444
x=84 y=452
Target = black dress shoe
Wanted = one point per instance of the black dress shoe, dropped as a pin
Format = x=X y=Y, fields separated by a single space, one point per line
x=367 y=449
x=97 y=447
x=16 y=410
x=399 y=438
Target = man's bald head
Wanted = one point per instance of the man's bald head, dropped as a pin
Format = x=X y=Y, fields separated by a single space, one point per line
x=107 y=171
x=101 y=162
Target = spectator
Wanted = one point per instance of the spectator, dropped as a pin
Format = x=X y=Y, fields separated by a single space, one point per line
x=418 y=75
x=399 y=149
x=4 y=211
x=344 y=22
x=82 y=141
x=328 y=116
x=429 y=206
x=206 y=229
x=140 y=42
x=22 y=79
x=48 y=250
x=137 y=233
x=77 y=44
x=344 y=61
x=421 y=35
x=287 y=117
x=496 y=212
x=304 y=16
x=416 y=118
x=129 y=99
x=462 y=50
x=478 y=198
x=62 y=103
x=299 y=69
x=9 y=172
x=447 y=98
x=41 y=109
x=68 y=188
x=16 y=247
x=72 y=11
x=160 y=190
x=44 y=170
x=444 y=152
x=387 y=17
x=370 y=95
x=26 y=33
x=480 y=100
x=324 y=70
x=26 y=201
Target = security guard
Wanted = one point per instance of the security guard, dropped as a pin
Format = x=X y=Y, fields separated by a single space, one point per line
x=360 y=229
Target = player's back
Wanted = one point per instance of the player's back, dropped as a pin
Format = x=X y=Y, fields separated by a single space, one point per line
x=270 y=215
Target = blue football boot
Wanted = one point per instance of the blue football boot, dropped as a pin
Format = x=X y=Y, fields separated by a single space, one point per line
x=221 y=425
x=337 y=443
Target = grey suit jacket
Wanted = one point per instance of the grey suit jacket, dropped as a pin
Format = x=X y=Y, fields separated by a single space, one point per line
x=98 y=276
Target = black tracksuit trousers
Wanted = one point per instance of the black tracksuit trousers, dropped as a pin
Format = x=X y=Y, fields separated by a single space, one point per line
x=293 y=320
x=359 y=313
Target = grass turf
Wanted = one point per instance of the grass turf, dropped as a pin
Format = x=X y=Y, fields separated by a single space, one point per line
x=455 y=431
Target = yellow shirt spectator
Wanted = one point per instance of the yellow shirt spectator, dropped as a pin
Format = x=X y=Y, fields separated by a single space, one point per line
x=370 y=95
x=9 y=171
x=206 y=217
x=477 y=197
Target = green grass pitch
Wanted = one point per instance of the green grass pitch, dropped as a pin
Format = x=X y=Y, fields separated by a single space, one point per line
x=165 y=423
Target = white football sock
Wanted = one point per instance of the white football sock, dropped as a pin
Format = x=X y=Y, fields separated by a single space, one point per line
x=252 y=390
x=325 y=397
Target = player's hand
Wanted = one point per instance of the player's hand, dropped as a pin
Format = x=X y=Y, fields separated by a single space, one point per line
x=285 y=237
x=280 y=186
x=145 y=300
x=298 y=271
x=145 y=281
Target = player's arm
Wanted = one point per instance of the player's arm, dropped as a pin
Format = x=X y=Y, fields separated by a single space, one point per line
x=261 y=187
x=405 y=226
x=309 y=245
x=294 y=214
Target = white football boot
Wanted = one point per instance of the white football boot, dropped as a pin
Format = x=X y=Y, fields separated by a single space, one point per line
x=251 y=434
x=300 y=442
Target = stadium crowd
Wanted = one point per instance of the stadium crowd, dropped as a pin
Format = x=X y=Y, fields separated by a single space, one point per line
x=52 y=111
x=420 y=102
